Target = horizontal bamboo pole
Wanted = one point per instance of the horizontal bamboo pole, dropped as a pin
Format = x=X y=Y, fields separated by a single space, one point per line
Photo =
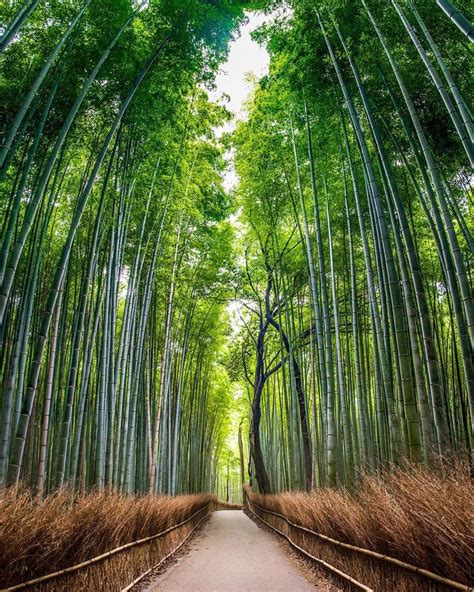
x=328 y=566
x=105 y=555
x=148 y=571
x=408 y=566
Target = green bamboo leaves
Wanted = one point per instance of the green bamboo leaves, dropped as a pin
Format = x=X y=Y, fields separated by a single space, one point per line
x=104 y=161
x=382 y=286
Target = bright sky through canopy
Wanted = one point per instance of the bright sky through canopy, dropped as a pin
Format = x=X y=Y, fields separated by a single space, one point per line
x=245 y=56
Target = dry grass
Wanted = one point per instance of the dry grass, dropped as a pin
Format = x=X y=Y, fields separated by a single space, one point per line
x=40 y=538
x=410 y=514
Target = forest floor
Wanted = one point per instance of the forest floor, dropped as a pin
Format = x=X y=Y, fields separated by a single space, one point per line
x=232 y=554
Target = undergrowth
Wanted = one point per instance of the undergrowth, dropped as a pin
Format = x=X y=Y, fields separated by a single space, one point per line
x=411 y=514
x=38 y=538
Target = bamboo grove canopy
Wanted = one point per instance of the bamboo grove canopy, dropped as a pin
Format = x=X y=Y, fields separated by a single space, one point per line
x=346 y=246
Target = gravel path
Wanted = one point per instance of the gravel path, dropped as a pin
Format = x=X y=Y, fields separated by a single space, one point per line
x=232 y=554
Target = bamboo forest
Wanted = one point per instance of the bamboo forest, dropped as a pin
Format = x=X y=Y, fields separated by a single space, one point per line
x=262 y=311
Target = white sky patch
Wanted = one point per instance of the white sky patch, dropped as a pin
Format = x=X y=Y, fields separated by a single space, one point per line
x=245 y=57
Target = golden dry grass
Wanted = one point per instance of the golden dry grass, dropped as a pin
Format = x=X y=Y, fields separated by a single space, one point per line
x=41 y=538
x=410 y=514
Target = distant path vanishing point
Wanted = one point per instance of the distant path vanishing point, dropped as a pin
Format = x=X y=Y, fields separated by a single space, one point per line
x=232 y=554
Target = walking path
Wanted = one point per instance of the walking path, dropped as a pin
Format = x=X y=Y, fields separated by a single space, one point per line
x=232 y=554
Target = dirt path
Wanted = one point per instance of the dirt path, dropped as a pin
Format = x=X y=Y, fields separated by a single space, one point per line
x=232 y=554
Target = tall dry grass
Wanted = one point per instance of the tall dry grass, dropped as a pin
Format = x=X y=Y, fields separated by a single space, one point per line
x=411 y=514
x=64 y=530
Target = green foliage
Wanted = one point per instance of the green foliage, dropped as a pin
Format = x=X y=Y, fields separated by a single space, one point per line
x=140 y=308
x=290 y=227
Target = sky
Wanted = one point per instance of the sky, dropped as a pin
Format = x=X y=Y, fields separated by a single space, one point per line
x=245 y=56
